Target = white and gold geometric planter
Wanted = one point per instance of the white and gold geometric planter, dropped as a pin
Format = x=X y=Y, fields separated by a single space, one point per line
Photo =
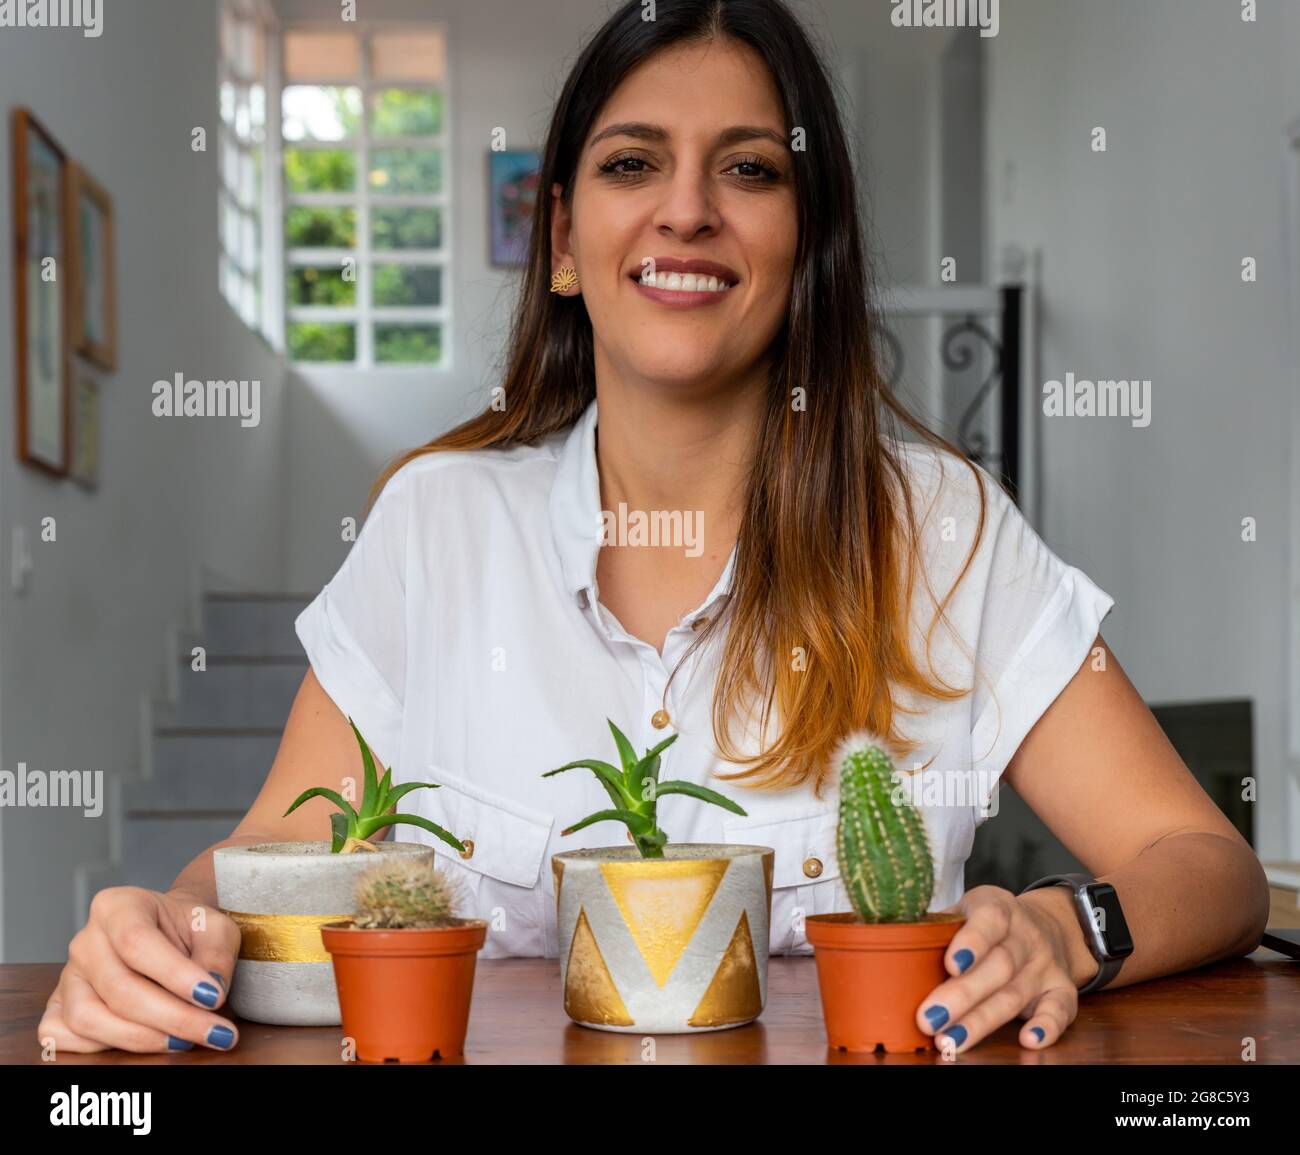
x=669 y=945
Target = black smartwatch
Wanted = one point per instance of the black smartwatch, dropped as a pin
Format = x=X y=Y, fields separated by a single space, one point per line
x=1101 y=919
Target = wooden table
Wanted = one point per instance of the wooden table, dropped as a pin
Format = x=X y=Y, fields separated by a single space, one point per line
x=1200 y=1017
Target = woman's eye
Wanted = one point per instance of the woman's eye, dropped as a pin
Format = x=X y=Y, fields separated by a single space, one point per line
x=615 y=167
x=764 y=171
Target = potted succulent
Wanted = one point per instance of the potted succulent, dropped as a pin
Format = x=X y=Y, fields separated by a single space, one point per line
x=281 y=893
x=876 y=964
x=657 y=937
x=404 y=964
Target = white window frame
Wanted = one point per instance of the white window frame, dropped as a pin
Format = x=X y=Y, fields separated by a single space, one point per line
x=260 y=14
x=364 y=315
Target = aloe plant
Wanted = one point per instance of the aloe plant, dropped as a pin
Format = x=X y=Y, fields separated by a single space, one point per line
x=351 y=827
x=635 y=790
x=881 y=839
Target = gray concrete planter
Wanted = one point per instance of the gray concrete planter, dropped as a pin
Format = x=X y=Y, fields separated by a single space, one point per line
x=280 y=893
x=669 y=945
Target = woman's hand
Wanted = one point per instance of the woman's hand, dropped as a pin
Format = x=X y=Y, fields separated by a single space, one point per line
x=144 y=974
x=1009 y=959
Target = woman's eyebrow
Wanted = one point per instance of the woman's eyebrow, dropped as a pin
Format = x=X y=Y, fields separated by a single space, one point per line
x=658 y=135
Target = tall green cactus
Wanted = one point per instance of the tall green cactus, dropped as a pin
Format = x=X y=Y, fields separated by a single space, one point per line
x=881 y=839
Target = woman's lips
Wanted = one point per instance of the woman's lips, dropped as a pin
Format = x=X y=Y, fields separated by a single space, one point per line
x=681 y=298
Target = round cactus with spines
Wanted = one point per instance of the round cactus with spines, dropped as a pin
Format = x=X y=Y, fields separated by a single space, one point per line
x=881 y=839
x=403 y=894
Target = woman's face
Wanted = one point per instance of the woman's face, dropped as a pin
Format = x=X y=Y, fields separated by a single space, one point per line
x=687 y=162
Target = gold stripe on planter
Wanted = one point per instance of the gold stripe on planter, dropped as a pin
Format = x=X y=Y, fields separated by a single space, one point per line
x=282 y=937
x=734 y=995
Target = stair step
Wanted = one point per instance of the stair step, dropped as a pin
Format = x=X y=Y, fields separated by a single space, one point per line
x=234 y=694
x=252 y=624
x=205 y=770
x=156 y=849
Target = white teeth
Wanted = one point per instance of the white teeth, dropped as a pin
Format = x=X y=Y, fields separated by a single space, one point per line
x=685 y=282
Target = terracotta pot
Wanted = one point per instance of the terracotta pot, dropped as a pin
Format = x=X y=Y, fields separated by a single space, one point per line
x=405 y=994
x=874 y=975
x=671 y=945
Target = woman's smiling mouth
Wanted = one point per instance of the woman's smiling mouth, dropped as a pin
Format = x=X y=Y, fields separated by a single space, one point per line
x=684 y=284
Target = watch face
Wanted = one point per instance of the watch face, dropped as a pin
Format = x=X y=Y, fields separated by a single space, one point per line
x=1108 y=919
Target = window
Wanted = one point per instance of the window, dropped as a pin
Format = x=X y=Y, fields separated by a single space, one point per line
x=241 y=152
x=363 y=124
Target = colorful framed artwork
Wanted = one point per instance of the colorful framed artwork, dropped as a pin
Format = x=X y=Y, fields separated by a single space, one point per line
x=92 y=300
x=512 y=193
x=84 y=422
x=40 y=303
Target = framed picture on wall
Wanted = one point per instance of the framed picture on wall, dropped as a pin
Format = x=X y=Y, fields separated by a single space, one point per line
x=40 y=252
x=83 y=466
x=92 y=302
x=512 y=192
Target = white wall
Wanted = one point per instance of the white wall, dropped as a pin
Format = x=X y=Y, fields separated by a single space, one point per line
x=1141 y=278
x=85 y=640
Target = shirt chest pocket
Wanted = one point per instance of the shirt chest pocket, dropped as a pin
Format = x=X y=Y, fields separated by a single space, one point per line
x=505 y=842
x=805 y=870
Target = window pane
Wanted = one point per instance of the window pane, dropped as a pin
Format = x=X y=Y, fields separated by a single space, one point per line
x=406 y=285
x=320 y=170
x=319 y=341
x=408 y=56
x=395 y=344
x=311 y=227
x=312 y=113
x=404 y=112
x=227 y=103
x=406 y=228
x=321 y=55
x=321 y=285
x=230 y=228
x=257 y=112
x=229 y=164
x=404 y=170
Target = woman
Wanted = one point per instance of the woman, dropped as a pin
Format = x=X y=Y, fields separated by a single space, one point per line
x=693 y=337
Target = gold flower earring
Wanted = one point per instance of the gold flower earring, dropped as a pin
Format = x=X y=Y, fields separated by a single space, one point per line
x=563 y=279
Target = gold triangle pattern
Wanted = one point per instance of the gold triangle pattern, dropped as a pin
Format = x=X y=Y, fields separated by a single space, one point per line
x=590 y=995
x=663 y=908
x=734 y=995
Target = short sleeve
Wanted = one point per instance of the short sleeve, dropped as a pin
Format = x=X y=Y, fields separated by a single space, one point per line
x=354 y=630
x=1038 y=619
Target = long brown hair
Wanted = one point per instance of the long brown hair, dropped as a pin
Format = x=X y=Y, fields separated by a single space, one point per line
x=818 y=621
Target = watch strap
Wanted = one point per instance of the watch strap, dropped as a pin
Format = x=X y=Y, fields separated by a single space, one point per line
x=1108 y=968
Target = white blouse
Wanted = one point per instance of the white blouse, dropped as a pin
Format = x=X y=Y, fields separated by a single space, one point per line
x=464 y=636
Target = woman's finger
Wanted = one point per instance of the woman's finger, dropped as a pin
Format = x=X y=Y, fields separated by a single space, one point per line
x=1049 y=1017
x=980 y=1021
x=87 y=1016
x=52 y=1030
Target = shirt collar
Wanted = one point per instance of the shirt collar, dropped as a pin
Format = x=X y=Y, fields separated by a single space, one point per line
x=576 y=514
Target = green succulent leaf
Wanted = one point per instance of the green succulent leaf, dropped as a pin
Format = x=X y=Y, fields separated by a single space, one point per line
x=416 y=820
x=626 y=752
x=637 y=823
x=323 y=792
x=370 y=798
x=399 y=792
x=703 y=793
x=340 y=828
x=609 y=778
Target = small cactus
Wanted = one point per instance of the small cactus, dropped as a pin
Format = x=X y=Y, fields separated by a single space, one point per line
x=404 y=894
x=883 y=849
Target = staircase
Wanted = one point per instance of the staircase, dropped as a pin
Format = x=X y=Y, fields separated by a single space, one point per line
x=210 y=747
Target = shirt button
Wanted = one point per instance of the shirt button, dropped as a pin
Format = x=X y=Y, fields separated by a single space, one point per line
x=659 y=719
x=812 y=867
x=468 y=852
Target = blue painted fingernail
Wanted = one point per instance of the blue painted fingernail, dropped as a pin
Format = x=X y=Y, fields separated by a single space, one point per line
x=221 y=1037
x=936 y=1016
x=957 y=1034
x=206 y=994
x=219 y=979
x=175 y=1044
x=963 y=958
x=1042 y=1034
